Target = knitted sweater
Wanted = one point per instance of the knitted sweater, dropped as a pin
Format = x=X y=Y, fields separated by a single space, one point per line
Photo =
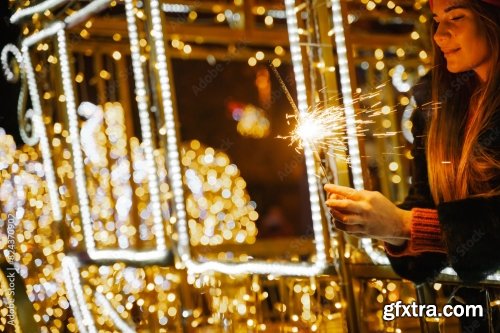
x=464 y=233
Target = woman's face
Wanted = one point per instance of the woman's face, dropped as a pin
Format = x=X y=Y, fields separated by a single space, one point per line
x=461 y=38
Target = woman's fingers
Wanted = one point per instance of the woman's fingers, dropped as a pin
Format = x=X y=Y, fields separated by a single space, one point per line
x=341 y=190
x=345 y=205
x=349 y=228
x=345 y=217
x=332 y=196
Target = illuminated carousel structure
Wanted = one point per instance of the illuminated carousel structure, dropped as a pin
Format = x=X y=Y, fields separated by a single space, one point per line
x=113 y=224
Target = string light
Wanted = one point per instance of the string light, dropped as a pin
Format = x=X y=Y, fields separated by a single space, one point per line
x=103 y=302
x=242 y=304
x=345 y=83
x=39 y=126
x=39 y=8
x=76 y=298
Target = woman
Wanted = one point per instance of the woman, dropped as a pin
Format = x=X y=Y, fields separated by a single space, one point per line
x=452 y=213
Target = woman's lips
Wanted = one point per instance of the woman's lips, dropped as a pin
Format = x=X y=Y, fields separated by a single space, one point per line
x=447 y=52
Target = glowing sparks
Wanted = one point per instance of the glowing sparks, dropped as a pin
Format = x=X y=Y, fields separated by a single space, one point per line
x=321 y=129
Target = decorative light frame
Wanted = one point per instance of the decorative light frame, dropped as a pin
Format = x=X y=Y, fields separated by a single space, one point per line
x=174 y=168
x=161 y=253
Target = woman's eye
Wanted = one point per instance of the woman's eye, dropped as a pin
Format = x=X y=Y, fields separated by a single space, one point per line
x=457 y=18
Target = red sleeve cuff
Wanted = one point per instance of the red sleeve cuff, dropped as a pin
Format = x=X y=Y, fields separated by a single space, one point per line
x=425 y=235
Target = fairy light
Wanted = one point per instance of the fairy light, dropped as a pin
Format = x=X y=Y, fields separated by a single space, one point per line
x=84 y=311
x=58 y=28
x=40 y=8
x=11 y=77
x=173 y=158
x=183 y=245
x=397 y=79
x=83 y=14
x=345 y=83
x=103 y=302
x=10 y=48
x=41 y=133
x=75 y=142
x=377 y=257
x=76 y=298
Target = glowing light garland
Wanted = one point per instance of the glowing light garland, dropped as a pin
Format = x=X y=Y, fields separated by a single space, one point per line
x=183 y=246
x=102 y=301
x=57 y=28
x=39 y=8
x=345 y=84
x=10 y=48
x=76 y=297
x=40 y=131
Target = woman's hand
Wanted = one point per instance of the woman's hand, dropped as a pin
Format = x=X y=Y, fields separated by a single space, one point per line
x=368 y=214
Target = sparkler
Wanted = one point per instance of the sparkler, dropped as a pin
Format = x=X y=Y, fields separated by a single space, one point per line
x=322 y=129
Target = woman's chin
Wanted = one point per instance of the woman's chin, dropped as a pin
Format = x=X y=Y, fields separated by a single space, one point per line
x=454 y=69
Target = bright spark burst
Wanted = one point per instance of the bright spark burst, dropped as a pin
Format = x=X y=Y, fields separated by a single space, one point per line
x=320 y=129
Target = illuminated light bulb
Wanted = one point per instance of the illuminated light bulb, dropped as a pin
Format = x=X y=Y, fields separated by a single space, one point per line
x=117 y=55
x=393 y=166
x=192 y=15
x=422 y=54
x=252 y=61
x=220 y=17
x=260 y=10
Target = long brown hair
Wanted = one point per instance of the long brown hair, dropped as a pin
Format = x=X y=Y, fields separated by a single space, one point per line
x=458 y=165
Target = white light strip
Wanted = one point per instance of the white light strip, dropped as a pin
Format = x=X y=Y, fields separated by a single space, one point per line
x=345 y=84
x=131 y=256
x=160 y=254
x=175 y=8
x=297 y=61
x=126 y=255
x=40 y=8
x=76 y=298
x=142 y=104
x=103 y=302
x=276 y=13
x=174 y=168
x=21 y=104
x=83 y=14
x=10 y=48
x=40 y=131
x=377 y=257
x=43 y=34
x=78 y=166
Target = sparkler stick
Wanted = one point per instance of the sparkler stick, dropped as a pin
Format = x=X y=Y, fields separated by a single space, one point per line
x=315 y=127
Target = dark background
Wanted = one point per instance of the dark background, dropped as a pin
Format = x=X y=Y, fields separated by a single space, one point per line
x=8 y=92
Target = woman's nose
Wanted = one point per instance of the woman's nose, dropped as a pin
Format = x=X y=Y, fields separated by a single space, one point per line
x=442 y=33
